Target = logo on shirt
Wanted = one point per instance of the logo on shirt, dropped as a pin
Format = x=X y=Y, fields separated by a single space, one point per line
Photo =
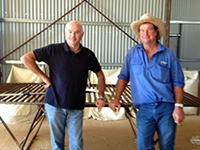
x=163 y=62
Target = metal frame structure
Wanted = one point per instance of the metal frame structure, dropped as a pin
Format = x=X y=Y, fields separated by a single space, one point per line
x=31 y=95
x=9 y=95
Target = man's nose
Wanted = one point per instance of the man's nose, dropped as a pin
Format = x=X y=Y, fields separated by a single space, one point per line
x=73 y=34
x=146 y=32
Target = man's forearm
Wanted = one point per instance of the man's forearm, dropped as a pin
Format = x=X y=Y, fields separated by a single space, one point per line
x=178 y=94
x=121 y=84
x=29 y=61
x=101 y=85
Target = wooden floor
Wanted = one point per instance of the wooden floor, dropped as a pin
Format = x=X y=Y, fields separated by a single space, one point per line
x=102 y=135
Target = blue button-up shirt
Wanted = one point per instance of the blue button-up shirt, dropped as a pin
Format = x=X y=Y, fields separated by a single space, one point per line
x=152 y=81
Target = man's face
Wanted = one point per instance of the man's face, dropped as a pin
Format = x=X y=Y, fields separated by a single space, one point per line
x=73 y=33
x=147 y=33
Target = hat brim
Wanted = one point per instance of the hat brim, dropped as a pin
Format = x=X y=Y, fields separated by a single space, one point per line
x=156 y=21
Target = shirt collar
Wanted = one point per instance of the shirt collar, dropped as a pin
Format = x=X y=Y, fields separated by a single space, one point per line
x=67 y=47
x=160 y=47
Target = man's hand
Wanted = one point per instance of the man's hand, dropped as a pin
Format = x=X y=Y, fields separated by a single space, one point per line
x=178 y=115
x=100 y=103
x=46 y=82
x=113 y=104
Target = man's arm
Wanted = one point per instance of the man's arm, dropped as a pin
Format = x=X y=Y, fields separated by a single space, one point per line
x=121 y=84
x=101 y=86
x=29 y=61
x=178 y=113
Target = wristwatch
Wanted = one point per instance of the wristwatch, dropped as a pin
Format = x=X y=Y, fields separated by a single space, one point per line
x=101 y=97
x=179 y=105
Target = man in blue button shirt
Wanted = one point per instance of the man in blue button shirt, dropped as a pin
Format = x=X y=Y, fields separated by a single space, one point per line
x=69 y=63
x=157 y=82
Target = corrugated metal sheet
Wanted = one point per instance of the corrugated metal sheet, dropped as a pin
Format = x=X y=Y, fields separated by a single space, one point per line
x=25 y=18
x=185 y=17
x=185 y=10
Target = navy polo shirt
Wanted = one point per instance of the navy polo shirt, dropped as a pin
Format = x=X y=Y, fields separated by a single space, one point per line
x=68 y=74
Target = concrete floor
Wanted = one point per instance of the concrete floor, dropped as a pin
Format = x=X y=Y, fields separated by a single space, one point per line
x=101 y=135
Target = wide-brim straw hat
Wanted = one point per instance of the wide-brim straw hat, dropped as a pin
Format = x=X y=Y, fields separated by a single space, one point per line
x=150 y=19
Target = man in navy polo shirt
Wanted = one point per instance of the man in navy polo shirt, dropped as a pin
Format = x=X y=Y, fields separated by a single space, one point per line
x=69 y=63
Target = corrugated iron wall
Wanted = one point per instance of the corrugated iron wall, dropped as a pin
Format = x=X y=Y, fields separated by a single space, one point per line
x=185 y=19
x=22 y=19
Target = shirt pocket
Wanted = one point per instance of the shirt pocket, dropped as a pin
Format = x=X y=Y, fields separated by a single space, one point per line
x=136 y=66
x=161 y=73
